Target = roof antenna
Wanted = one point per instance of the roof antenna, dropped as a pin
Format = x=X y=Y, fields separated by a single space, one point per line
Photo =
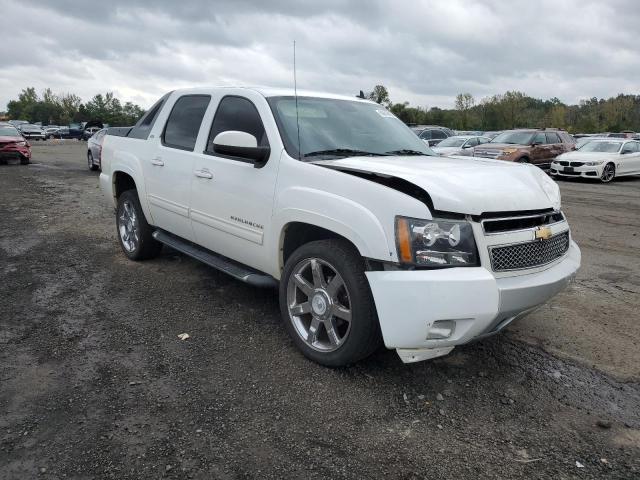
x=295 y=91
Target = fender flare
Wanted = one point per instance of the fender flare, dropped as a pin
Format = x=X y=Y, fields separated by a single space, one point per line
x=131 y=166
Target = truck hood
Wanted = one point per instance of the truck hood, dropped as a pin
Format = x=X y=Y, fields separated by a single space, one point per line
x=465 y=185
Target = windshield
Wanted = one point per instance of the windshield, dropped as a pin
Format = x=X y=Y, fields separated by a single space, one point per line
x=452 y=142
x=516 y=138
x=331 y=128
x=604 y=147
x=8 y=132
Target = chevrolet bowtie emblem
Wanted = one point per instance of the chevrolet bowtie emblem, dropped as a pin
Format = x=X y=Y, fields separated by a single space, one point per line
x=543 y=233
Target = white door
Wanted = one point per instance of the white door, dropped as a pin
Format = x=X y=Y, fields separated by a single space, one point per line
x=168 y=171
x=231 y=199
x=630 y=159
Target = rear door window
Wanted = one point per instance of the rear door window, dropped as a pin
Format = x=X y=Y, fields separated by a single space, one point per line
x=540 y=138
x=183 y=124
x=552 y=137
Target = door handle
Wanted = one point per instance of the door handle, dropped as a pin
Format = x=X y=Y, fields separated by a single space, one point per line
x=157 y=161
x=203 y=174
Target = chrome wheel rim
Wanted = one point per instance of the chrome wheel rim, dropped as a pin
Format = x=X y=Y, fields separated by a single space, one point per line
x=319 y=305
x=128 y=227
x=608 y=173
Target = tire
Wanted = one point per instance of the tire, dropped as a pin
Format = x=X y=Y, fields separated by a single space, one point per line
x=92 y=166
x=608 y=173
x=337 y=299
x=24 y=161
x=522 y=160
x=134 y=233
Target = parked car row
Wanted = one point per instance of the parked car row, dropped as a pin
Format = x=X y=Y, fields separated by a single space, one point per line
x=600 y=156
x=48 y=132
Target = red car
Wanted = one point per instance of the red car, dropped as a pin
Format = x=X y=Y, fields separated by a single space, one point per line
x=13 y=145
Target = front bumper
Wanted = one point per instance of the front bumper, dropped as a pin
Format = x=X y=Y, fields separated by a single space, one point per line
x=594 y=171
x=409 y=302
x=15 y=151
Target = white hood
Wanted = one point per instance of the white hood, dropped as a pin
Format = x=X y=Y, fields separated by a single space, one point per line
x=578 y=156
x=465 y=184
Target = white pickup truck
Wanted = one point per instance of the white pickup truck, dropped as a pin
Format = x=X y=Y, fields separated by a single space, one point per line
x=369 y=235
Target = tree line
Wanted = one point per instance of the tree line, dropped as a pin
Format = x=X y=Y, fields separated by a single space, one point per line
x=511 y=109
x=51 y=108
x=515 y=109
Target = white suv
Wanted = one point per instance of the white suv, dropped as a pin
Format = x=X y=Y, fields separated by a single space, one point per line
x=368 y=236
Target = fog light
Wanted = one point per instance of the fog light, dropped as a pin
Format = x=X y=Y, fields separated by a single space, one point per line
x=441 y=329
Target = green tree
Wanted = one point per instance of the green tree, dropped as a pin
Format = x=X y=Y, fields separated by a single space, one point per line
x=380 y=95
x=464 y=103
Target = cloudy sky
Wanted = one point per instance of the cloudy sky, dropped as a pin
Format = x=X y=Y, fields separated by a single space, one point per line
x=425 y=51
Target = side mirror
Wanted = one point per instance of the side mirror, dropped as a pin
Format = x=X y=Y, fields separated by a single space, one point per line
x=535 y=144
x=241 y=144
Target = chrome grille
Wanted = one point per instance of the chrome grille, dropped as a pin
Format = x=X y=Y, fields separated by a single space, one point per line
x=493 y=153
x=529 y=254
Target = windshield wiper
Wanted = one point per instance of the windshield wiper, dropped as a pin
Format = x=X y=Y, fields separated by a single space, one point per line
x=343 y=152
x=406 y=151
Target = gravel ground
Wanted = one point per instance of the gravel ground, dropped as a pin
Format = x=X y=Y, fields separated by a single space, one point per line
x=94 y=382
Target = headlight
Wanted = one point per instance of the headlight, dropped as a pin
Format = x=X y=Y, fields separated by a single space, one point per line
x=594 y=163
x=436 y=243
x=21 y=144
x=508 y=151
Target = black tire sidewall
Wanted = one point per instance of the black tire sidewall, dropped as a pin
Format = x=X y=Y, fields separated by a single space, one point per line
x=364 y=337
x=614 y=173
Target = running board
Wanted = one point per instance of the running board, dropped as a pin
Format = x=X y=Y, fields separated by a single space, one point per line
x=224 y=264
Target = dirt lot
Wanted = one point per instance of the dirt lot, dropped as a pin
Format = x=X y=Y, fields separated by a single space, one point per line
x=94 y=382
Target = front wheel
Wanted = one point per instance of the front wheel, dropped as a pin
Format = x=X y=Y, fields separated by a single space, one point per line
x=134 y=233
x=608 y=173
x=327 y=305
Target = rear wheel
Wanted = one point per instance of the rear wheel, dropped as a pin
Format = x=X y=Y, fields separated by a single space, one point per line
x=608 y=173
x=92 y=166
x=24 y=161
x=134 y=233
x=327 y=305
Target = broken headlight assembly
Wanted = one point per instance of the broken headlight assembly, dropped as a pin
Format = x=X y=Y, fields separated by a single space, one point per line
x=436 y=243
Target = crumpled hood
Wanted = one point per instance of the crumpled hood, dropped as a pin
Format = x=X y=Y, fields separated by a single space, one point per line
x=465 y=185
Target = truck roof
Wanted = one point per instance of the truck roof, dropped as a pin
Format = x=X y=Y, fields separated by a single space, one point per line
x=272 y=92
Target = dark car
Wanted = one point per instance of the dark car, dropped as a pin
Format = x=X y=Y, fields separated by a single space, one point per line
x=67 y=132
x=432 y=134
x=13 y=145
x=527 y=145
x=94 y=149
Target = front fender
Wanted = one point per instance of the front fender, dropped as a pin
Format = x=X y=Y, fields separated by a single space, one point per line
x=335 y=213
